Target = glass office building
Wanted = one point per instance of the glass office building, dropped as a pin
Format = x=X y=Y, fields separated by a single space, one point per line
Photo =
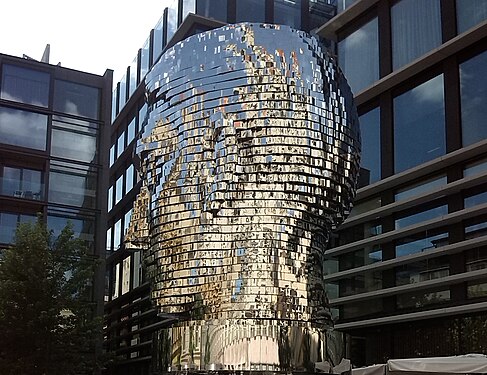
x=407 y=270
x=131 y=321
x=54 y=128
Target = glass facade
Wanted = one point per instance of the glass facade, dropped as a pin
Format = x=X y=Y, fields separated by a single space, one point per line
x=359 y=56
x=370 y=166
x=21 y=183
x=473 y=94
x=23 y=128
x=25 y=85
x=416 y=29
x=76 y=99
x=470 y=13
x=419 y=125
x=287 y=12
x=251 y=10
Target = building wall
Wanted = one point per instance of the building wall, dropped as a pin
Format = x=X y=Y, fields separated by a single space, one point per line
x=54 y=126
x=410 y=261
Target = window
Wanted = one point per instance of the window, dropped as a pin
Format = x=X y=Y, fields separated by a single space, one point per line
x=424 y=270
x=120 y=144
x=473 y=99
x=189 y=6
x=126 y=221
x=421 y=187
x=359 y=258
x=112 y=155
x=137 y=270
x=420 y=242
x=251 y=11
x=419 y=125
x=126 y=275
x=73 y=185
x=74 y=146
x=419 y=217
x=115 y=281
x=22 y=183
x=109 y=240
x=470 y=13
x=416 y=29
x=344 y=4
x=172 y=19
x=110 y=198
x=114 y=105
x=76 y=99
x=158 y=39
x=83 y=229
x=216 y=9
x=142 y=115
x=119 y=189
x=129 y=179
x=371 y=151
x=22 y=128
x=144 y=60
x=474 y=168
x=421 y=299
x=320 y=11
x=366 y=206
x=132 y=81
x=117 y=234
x=363 y=283
x=25 y=85
x=358 y=56
x=9 y=222
x=131 y=131
x=287 y=12
x=122 y=94
x=474 y=200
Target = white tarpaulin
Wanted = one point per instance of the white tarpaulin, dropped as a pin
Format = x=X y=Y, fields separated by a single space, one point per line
x=465 y=364
x=370 y=370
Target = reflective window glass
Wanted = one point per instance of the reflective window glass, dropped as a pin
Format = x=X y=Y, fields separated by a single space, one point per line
x=416 y=29
x=424 y=270
x=117 y=234
x=129 y=179
x=122 y=94
x=320 y=11
x=25 y=85
x=112 y=155
x=137 y=270
x=358 y=56
x=366 y=206
x=421 y=216
x=142 y=114
x=131 y=131
x=216 y=9
x=473 y=92
x=133 y=77
x=8 y=225
x=120 y=144
x=189 y=6
x=22 y=128
x=110 y=198
x=421 y=299
x=476 y=290
x=158 y=39
x=370 y=159
x=126 y=275
x=115 y=281
x=363 y=283
x=21 y=183
x=126 y=221
x=477 y=167
x=470 y=13
x=83 y=229
x=250 y=11
x=172 y=19
x=420 y=242
x=419 y=125
x=114 y=105
x=144 y=59
x=474 y=200
x=72 y=185
x=109 y=246
x=287 y=12
x=344 y=4
x=74 y=146
x=420 y=188
x=119 y=189
x=475 y=229
x=76 y=99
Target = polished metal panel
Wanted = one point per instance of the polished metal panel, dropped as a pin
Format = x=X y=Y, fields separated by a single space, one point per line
x=249 y=158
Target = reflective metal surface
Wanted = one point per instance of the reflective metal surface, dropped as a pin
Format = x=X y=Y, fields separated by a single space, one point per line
x=249 y=158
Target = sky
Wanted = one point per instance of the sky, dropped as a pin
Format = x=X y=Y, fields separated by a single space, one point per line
x=87 y=35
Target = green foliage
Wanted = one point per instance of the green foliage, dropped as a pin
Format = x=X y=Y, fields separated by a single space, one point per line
x=47 y=319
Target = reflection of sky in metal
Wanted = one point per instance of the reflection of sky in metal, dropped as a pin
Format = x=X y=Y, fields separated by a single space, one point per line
x=248 y=160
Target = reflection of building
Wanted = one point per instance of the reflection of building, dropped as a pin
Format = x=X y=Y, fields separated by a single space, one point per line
x=417 y=284
x=131 y=320
x=53 y=130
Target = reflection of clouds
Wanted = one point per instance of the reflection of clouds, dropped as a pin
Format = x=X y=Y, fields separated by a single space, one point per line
x=23 y=128
x=72 y=108
x=430 y=91
x=357 y=38
x=7 y=96
x=73 y=146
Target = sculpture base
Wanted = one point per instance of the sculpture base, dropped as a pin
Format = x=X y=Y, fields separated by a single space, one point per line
x=246 y=345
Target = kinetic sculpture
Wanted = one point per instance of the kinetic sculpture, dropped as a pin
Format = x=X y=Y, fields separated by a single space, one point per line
x=249 y=159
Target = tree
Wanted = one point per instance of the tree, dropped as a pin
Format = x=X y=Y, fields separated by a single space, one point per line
x=47 y=321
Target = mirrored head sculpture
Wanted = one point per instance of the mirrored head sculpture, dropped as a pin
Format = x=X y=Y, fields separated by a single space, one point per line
x=249 y=159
